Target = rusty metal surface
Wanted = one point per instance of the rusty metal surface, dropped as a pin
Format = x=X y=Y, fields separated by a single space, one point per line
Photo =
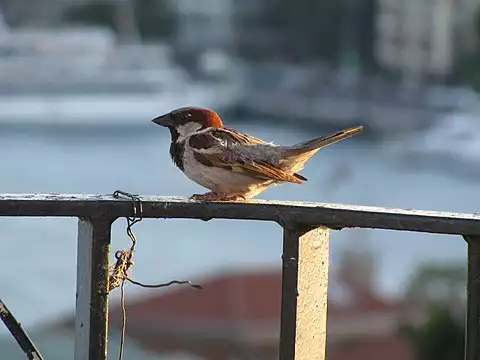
x=472 y=335
x=91 y=314
x=304 y=293
x=332 y=215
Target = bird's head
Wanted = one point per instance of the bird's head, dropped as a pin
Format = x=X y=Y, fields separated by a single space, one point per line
x=185 y=121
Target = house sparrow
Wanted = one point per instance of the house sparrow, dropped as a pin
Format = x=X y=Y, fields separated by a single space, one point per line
x=231 y=164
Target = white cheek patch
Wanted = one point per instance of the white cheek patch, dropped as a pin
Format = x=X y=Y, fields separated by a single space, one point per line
x=187 y=130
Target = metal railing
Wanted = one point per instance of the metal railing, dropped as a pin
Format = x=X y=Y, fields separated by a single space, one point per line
x=305 y=256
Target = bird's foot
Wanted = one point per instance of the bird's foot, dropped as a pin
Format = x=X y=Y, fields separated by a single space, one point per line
x=232 y=197
x=209 y=196
x=213 y=196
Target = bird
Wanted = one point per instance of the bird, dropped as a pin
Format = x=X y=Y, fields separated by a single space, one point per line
x=233 y=165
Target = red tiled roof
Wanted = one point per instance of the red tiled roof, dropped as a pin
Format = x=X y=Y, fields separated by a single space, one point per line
x=391 y=348
x=371 y=304
x=245 y=297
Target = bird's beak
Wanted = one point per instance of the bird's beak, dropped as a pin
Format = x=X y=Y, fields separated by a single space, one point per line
x=163 y=120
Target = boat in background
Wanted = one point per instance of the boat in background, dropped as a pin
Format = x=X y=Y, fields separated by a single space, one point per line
x=84 y=75
x=452 y=145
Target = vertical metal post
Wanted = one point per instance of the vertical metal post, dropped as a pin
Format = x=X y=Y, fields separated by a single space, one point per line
x=304 y=293
x=91 y=315
x=472 y=330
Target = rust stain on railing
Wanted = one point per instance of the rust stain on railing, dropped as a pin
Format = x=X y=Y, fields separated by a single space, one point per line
x=305 y=256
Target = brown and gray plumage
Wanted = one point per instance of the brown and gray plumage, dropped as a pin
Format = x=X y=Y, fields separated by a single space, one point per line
x=231 y=164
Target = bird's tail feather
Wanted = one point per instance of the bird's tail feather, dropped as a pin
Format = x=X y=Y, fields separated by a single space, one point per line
x=320 y=142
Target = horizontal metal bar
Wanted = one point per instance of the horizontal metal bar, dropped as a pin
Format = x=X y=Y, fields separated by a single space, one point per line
x=315 y=214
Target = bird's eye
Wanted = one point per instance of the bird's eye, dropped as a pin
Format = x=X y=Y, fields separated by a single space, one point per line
x=186 y=116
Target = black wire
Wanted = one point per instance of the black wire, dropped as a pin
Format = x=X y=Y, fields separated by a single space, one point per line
x=152 y=286
x=132 y=220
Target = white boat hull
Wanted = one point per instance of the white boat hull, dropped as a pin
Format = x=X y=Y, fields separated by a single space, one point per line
x=101 y=109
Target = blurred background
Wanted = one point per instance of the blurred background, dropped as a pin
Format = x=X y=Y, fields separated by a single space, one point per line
x=80 y=81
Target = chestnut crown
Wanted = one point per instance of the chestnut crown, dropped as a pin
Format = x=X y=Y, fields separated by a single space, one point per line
x=182 y=116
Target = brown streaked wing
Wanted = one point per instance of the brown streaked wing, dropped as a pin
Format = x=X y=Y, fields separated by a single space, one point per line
x=237 y=136
x=209 y=150
x=203 y=141
x=260 y=170
x=214 y=138
x=268 y=172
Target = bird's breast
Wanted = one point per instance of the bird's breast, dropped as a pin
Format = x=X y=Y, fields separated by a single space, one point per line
x=216 y=179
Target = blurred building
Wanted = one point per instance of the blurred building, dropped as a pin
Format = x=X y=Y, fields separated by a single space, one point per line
x=256 y=38
x=225 y=24
x=203 y=25
x=32 y=13
x=420 y=38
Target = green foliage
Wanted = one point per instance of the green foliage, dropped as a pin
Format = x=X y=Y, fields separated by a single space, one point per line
x=466 y=70
x=155 y=19
x=440 y=338
x=438 y=283
x=467 y=67
x=92 y=13
x=441 y=288
x=477 y=24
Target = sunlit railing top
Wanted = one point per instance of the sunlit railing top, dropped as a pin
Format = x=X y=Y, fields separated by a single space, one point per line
x=335 y=216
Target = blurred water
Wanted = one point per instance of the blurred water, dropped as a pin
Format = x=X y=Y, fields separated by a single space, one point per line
x=37 y=258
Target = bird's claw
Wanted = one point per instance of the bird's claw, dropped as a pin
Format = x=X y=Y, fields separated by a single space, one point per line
x=212 y=196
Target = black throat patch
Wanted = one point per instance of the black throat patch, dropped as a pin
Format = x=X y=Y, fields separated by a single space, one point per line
x=177 y=149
